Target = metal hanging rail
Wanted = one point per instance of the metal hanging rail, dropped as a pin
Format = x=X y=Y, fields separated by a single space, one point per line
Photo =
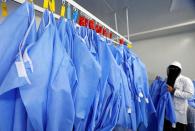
x=76 y=5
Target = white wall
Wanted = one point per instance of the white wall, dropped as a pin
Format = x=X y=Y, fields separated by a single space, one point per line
x=158 y=53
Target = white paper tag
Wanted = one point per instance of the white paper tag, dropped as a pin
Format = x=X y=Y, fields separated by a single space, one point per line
x=129 y=110
x=141 y=95
x=26 y=58
x=174 y=125
x=139 y=99
x=21 y=69
x=147 y=101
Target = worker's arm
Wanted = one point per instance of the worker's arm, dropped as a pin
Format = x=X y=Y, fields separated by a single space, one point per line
x=187 y=92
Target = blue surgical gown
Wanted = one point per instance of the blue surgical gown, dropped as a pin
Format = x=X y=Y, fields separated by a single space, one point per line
x=62 y=80
x=107 y=98
x=127 y=113
x=163 y=104
x=110 y=98
x=88 y=71
x=49 y=93
x=137 y=77
x=14 y=114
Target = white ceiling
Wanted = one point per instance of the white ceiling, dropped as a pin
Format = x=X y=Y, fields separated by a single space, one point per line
x=143 y=14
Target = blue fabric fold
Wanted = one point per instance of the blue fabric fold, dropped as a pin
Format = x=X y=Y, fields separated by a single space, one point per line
x=163 y=104
x=13 y=115
x=191 y=101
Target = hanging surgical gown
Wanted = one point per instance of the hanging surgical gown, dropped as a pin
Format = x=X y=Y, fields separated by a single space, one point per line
x=13 y=42
x=127 y=112
x=47 y=96
x=163 y=104
x=62 y=80
x=109 y=98
x=88 y=73
x=107 y=101
x=137 y=77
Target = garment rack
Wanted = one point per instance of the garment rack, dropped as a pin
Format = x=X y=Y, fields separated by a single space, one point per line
x=79 y=7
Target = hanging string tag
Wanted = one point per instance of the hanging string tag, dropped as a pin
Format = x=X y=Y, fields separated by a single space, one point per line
x=86 y=22
x=129 y=45
x=104 y=32
x=82 y=21
x=4 y=8
x=31 y=1
x=115 y=41
x=139 y=99
x=63 y=9
x=20 y=67
x=45 y=4
x=100 y=30
x=121 y=41
x=75 y=14
x=27 y=58
x=110 y=35
x=97 y=28
x=52 y=5
x=69 y=12
x=141 y=95
x=147 y=101
x=92 y=24
x=129 y=110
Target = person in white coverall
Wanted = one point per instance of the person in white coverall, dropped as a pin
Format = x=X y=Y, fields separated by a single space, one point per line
x=181 y=88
